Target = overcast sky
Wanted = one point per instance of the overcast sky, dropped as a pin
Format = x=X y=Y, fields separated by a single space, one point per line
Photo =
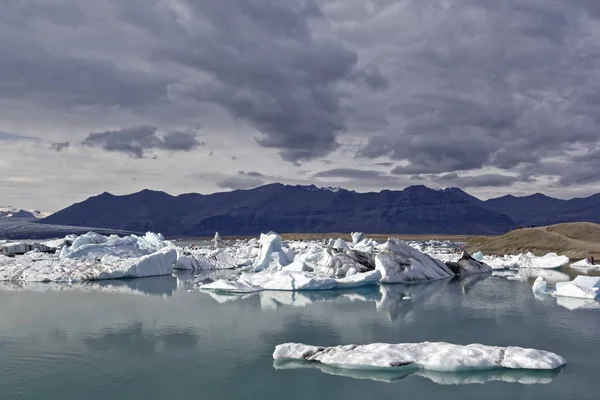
x=491 y=96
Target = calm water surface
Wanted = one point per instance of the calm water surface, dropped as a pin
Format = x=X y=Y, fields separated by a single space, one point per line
x=152 y=339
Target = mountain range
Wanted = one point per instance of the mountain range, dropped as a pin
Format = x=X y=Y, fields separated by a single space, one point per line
x=17 y=213
x=309 y=209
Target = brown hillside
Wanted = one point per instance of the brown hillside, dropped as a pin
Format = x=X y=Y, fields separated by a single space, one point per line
x=576 y=240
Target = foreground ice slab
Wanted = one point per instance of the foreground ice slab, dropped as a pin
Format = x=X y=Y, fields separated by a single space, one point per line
x=429 y=356
x=583 y=287
x=522 y=376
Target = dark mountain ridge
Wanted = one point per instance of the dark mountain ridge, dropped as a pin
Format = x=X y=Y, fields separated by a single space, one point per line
x=309 y=209
x=291 y=209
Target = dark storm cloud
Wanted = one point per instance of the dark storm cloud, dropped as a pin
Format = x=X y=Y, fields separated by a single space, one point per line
x=434 y=86
x=350 y=173
x=495 y=84
x=60 y=146
x=273 y=71
x=137 y=140
x=243 y=180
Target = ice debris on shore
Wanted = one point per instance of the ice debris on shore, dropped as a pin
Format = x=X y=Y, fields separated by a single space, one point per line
x=440 y=356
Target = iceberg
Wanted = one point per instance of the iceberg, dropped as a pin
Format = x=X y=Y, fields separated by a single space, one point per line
x=357 y=237
x=585 y=266
x=468 y=265
x=398 y=262
x=583 y=287
x=94 y=257
x=271 y=256
x=572 y=303
x=440 y=356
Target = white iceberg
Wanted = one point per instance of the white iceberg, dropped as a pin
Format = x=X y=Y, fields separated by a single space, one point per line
x=94 y=257
x=439 y=356
x=572 y=303
x=585 y=266
x=340 y=244
x=583 y=287
x=272 y=256
x=478 y=256
x=357 y=237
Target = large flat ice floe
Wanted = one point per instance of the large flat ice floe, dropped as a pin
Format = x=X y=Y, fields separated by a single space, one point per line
x=527 y=260
x=391 y=375
x=94 y=257
x=430 y=356
x=583 y=287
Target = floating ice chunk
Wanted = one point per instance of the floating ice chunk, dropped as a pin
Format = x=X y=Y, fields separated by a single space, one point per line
x=478 y=256
x=216 y=259
x=583 y=287
x=340 y=244
x=430 y=356
x=272 y=256
x=231 y=286
x=218 y=242
x=468 y=265
x=357 y=280
x=399 y=262
x=22 y=248
x=539 y=286
x=585 y=266
x=357 y=237
x=286 y=280
x=572 y=303
x=550 y=261
x=334 y=263
x=583 y=263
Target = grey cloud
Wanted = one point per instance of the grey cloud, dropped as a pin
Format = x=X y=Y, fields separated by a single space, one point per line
x=475 y=181
x=243 y=180
x=60 y=146
x=136 y=141
x=252 y=174
x=581 y=169
x=349 y=173
x=14 y=137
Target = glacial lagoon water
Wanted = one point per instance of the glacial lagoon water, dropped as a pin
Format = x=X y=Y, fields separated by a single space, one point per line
x=152 y=339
